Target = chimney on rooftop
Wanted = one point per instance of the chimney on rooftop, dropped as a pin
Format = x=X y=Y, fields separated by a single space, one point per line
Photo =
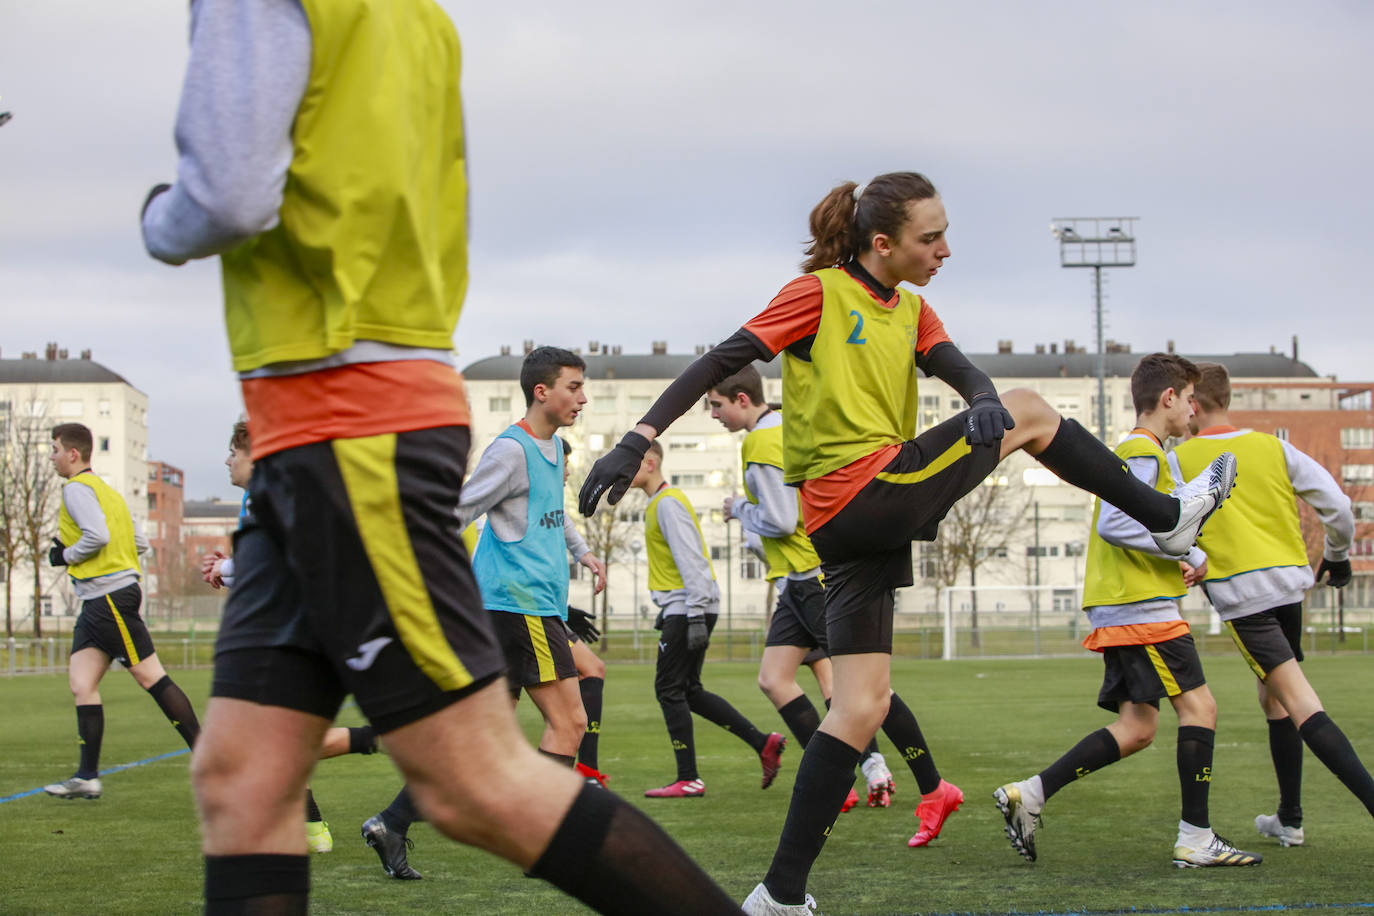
x=593 y=346
x=1169 y=346
x=528 y=346
x=659 y=347
x=50 y=351
x=1039 y=349
x=1003 y=346
x=1295 y=348
x=86 y=354
x=505 y=349
x=1054 y=347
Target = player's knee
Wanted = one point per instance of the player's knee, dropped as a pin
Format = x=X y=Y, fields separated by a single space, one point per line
x=775 y=686
x=592 y=667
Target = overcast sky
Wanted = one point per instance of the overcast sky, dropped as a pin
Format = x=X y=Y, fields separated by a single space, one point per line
x=643 y=171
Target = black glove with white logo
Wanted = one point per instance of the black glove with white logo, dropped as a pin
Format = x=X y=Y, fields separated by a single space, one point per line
x=1336 y=571
x=698 y=637
x=55 y=557
x=584 y=625
x=612 y=473
x=987 y=420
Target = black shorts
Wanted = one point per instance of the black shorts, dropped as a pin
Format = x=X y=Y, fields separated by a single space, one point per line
x=537 y=649
x=799 y=618
x=678 y=670
x=865 y=549
x=351 y=577
x=1147 y=674
x=1269 y=638
x=111 y=623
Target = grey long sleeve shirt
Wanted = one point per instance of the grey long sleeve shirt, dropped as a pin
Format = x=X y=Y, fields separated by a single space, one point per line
x=700 y=594
x=83 y=506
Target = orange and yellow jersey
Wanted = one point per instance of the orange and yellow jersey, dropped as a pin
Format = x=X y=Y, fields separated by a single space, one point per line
x=849 y=380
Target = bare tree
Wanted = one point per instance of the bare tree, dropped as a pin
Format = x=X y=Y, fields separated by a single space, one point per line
x=35 y=489
x=1314 y=535
x=11 y=542
x=979 y=527
x=609 y=533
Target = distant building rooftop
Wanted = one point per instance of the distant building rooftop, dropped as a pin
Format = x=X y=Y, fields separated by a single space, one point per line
x=210 y=508
x=506 y=367
x=54 y=368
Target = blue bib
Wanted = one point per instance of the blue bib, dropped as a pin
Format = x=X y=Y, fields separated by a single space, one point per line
x=529 y=576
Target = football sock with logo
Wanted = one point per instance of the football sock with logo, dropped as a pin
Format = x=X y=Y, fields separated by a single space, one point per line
x=257 y=885
x=801 y=718
x=1285 y=749
x=401 y=813
x=90 y=730
x=717 y=710
x=312 y=810
x=177 y=708
x=1332 y=748
x=902 y=730
x=362 y=740
x=678 y=718
x=1077 y=457
x=1195 y=746
x=562 y=760
x=591 y=689
x=824 y=778
x=617 y=861
x=1094 y=752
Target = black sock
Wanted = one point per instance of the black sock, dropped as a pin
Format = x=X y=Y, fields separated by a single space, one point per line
x=678 y=718
x=1077 y=457
x=717 y=710
x=801 y=717
x=562 y=760
x=1089 y=755
x=901 y=729
x=312 y=810
x=591 y=689
x=257 y=885
x=617 y=861
x=362 y=740
x=1332 y=748
x=90 y=731
x=172 y=701
x=824 y=777
x=1285 y=748
x=401 y=813
x=1195 y=745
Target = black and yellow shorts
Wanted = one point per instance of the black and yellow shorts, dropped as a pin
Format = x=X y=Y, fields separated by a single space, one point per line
x=865 y=549
x=111 y=623
x=799 y=618
x=351 y=577
x=1269 y=638
x=1148 y=674
x=537 y=649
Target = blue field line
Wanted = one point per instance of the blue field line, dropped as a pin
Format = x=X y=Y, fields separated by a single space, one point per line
x=122 y=766
x=1166 y=911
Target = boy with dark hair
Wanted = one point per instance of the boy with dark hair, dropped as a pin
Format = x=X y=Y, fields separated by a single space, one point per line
x=770 y=509
x=1257 y=574
x=99 y=542
x=683 y=585
x=1130 y=595
x=522 y=571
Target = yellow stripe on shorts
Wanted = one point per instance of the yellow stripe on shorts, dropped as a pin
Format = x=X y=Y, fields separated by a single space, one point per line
x=1245 y=653
x=1165 y=675
x=948 y=457
x=123 y=632
x=542 y=653
x=368 y=468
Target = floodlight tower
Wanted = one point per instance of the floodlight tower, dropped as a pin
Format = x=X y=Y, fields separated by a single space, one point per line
x=1096 y=242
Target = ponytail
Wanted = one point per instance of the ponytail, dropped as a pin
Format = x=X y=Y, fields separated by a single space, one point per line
x=843 y=223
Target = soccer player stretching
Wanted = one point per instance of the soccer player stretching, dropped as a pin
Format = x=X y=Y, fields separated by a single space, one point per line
x=1257 y=573
x=851 y=342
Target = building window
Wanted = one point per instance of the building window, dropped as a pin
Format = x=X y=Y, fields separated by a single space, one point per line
x=71 y=408
x=1065 y=599
x=102 y=408
x=105 y=444
x=1357 y=437
x=1364 y=512
x=1281 y=432
x=499 y=405
x=152 y=502
x=640 y=403
x=689 y=444
x=689 y=480
x=750 y=568
x=596 y=442
x=1357 y=474
x=719 y=553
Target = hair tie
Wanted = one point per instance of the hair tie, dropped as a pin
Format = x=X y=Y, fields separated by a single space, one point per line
x=859 y=192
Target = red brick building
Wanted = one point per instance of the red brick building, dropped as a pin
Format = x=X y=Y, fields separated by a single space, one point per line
x=166 y=504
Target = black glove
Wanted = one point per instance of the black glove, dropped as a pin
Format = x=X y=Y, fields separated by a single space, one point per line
x=55 y=557
x=583 y=624
x=612 y=473
x=698 y=637
x=157 y=189
x=1338 y=572
x=987 y=420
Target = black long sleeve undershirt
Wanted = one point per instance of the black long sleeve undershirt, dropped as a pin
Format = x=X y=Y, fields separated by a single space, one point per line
x=947 y=363
x=725 y=359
